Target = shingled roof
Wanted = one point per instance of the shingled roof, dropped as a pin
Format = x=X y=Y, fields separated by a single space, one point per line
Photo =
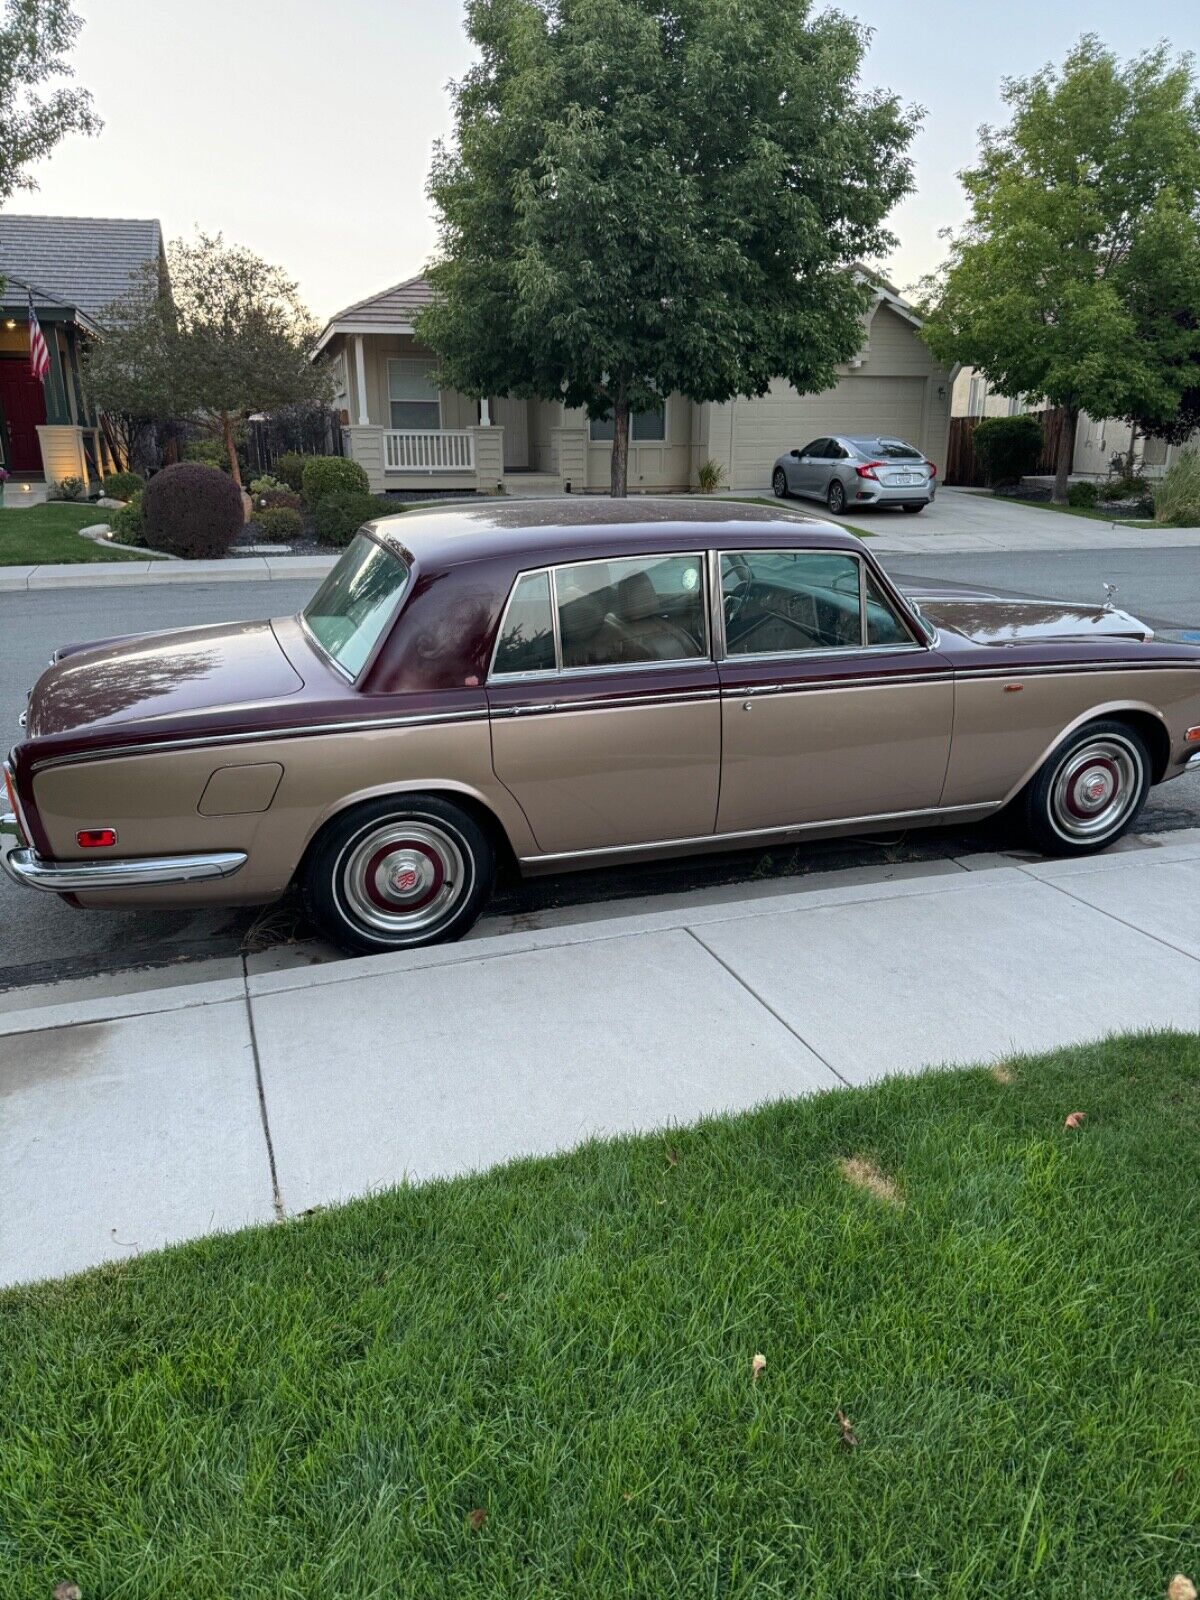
x=85 y=262
x=390 y=311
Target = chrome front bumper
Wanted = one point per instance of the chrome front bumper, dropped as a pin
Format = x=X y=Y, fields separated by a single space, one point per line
x=23 y=865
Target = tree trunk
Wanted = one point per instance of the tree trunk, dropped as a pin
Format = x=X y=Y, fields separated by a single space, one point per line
x=1066 y=453
x=1129 y=459
x=235 y=470
x=619 y=480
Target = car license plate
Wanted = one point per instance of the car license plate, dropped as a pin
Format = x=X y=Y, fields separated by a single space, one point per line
x=906 y=477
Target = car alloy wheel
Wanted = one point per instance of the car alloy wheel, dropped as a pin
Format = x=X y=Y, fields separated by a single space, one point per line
x=836 y=498
x=779 y=483
x=1088 y=793
x=397 y=873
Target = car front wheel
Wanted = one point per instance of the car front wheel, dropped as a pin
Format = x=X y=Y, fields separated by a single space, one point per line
x=779 y=483
x=1088 y=793
x=836 y=498
x=398 y=872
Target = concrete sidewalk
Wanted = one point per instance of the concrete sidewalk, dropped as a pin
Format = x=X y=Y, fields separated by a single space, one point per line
x=135 y=1120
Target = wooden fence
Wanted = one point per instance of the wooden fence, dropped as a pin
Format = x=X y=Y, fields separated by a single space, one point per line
x=962 y=464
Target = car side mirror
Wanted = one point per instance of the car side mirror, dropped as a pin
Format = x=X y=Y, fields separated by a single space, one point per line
x=797 y=455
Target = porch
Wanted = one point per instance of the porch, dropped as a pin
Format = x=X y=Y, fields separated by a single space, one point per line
x=49 y=430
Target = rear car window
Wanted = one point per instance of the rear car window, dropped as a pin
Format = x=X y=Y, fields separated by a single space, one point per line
x=888 y=449
x=526 y=642
x=350 y=610
x=623 y=612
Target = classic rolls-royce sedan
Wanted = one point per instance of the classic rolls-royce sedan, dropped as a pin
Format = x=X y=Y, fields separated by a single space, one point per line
x=573 y=684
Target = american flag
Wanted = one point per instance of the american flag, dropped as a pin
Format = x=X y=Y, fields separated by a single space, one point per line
x=39 y=355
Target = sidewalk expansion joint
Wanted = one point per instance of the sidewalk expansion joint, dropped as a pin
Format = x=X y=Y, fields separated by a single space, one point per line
x=276 y=1191
x=766 y=1005
x=1060 y=885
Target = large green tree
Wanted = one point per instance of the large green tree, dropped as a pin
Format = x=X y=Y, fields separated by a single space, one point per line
x=225 y=336
x=1077 y=275
x=36 y=110
x=654 y=196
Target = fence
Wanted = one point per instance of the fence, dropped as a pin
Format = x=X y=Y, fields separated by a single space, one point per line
x=962 y=464
x=307 y=430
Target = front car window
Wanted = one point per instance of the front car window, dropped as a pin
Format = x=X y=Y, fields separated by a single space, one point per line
x=883 y=625
x=779 y=602
x=350 y=610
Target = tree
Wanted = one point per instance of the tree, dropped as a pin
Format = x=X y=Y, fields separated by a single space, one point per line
x=35 y=36
x=225 y=336
x=648 y=196
x=1077 y=274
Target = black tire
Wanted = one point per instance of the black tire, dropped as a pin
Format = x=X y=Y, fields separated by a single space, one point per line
x=1089 y=791
x=779 y=483
x=912 y=510
x=399 y=872
x=835 y=497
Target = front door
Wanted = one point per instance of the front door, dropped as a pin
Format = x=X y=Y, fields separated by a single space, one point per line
x=513 y=417
x=831 y=708
x=605 y=704
x=22 y=408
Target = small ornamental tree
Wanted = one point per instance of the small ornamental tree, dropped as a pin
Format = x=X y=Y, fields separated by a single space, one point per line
x=644 y=197
x=1077 y=274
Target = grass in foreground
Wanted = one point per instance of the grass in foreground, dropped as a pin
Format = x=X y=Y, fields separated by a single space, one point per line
x=50 y=533
x=541 y=1382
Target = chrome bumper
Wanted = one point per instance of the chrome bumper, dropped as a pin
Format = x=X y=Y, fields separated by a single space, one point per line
x=25 y=866
x=1192 y=764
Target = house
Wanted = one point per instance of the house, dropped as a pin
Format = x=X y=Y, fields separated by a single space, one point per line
x=412 y=433
x=72 y=267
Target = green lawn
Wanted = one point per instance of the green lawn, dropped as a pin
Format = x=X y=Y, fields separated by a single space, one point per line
x=50 y=533
x=1077 y=511
x=539 y=1382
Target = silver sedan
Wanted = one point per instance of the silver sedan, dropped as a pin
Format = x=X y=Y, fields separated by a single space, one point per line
x=846 y=471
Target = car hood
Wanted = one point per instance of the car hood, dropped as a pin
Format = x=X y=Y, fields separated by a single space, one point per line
x=158 y=675
x=999 y=619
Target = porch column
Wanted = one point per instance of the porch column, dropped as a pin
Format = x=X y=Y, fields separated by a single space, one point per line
x=360 y=375
x=58 y=409
x=485 y=412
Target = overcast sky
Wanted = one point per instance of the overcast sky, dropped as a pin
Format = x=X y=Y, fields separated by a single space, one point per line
x=304 y=129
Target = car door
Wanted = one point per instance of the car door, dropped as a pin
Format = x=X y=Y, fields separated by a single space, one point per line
x=832 y=707
x=808 y=466
x=605 y=703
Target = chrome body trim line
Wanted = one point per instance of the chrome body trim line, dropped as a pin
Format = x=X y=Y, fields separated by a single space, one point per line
x=25 y=866
x=623 y=702
x=758 y=833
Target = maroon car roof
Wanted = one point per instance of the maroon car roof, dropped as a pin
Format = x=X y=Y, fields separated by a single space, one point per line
x=562 y=530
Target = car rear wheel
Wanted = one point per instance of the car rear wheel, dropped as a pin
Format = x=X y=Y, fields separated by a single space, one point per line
x=1088 y=793
x=835 y=498
x=912 y=510
x=779 y=483
x=399 y=872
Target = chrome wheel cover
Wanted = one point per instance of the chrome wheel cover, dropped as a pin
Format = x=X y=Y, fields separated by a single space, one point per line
x=404 y=876
x=1094 y=789
x=779 y=482
x=836 y=498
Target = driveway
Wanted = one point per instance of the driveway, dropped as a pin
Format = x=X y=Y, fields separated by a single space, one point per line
x=969 y=519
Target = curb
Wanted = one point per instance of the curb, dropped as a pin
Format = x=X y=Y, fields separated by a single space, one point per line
x=237 y=569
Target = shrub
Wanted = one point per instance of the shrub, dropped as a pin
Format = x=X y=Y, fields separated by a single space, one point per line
x=192 y=511
x=289 y=467
x=210 y=451
x=265 y=484
x=1144 y=504
x=277 y=524
x=1177 y=495
x=1082 y=495
x=68 y=489
x=1008 y=447
x=339 y=516
x=278 y=499
x=129 y=523
x=332 y=474
x=124 y=485
x=711 y=477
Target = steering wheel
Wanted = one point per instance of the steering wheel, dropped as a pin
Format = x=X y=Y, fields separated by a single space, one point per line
x=736 y=598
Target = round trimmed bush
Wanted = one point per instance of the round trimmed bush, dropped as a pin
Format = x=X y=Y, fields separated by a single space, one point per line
x=124 y=485
x=192 y=511
x=290 y=468
x=338 y=517
x=1082 y=496
x=1008 y=447
x=324 y=475
x=277 y=524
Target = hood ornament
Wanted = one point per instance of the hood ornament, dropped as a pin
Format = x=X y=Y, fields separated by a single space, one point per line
x=1110 y=594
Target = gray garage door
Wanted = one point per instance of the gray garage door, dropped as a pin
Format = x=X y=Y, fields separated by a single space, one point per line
x=784 y=420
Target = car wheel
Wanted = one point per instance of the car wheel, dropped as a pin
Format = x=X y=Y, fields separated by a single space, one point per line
x=1088 y=793
x=835 y=498
x=779 y=483
x=397 y=872
x=912 y=510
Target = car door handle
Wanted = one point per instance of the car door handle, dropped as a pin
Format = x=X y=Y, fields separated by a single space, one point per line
x=747 y=705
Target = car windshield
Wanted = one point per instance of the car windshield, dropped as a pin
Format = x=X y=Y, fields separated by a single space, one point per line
x=351 y=608
x=887 y=449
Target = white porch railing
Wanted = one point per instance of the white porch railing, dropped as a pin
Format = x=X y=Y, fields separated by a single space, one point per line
x=440 y=450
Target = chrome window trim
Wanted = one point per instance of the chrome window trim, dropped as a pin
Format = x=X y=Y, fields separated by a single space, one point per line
x=558 y=671
x=862 y=648
x=330 y=661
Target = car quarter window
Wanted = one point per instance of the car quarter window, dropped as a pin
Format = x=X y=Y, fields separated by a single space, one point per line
x=526 y=642
x=631 y=611
x=780 y=602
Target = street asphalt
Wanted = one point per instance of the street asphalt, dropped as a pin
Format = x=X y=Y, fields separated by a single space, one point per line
x=42 y=940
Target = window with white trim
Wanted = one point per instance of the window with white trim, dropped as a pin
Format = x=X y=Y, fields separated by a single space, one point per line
x=645 y=427
x=414 y=400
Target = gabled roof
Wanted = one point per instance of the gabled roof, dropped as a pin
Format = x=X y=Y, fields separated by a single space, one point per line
x=85 y=262
x=391 y=311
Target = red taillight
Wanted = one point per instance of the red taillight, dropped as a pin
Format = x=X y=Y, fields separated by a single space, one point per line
x=96 y=838
x=1192 y=736
x=932 y=470
x=869 y=470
